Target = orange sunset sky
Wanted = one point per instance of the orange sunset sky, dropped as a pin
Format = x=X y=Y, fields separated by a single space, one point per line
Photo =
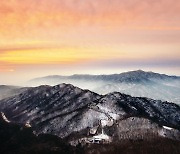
x=45 y=37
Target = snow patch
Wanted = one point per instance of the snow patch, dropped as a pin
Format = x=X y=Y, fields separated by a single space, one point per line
x=93 y=130
x=168 y=128
x=28 y=124
x=106 y=122
x=133 y=108
x=4 y=117
x=101 y=137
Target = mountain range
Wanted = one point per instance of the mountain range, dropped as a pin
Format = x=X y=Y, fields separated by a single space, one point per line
x=76 y=114
x=64 y=118
x=135 y=83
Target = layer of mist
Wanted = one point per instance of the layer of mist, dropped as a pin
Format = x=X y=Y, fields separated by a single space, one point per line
x=135 y=83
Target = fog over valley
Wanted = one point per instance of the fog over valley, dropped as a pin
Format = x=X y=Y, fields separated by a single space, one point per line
x=136 y=83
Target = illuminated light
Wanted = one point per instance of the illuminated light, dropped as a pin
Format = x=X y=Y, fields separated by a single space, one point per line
x=6 y=70
x=11 y=70
x=64 y=55
x=88 y=26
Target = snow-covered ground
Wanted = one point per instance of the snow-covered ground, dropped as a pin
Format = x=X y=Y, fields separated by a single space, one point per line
x=4 y=117
x=168 y=128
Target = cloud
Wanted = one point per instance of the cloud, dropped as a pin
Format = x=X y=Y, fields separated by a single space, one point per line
x=28 y=15
x=84 y=22
x=155 y=62
x=6 y=67
x=7 y=49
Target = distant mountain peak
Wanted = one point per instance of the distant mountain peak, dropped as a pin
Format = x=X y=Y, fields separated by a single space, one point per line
x=121 y=75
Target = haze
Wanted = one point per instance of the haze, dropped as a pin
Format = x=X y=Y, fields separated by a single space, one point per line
x=47 y=37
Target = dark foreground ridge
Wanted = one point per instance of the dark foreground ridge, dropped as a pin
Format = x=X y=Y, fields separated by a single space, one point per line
x=18 y=139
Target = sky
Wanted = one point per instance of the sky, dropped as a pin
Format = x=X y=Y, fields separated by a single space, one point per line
x=46 y=37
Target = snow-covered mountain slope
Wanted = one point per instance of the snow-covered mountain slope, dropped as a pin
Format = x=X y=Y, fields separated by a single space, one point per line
x=136 y=83
x=17 y=138
x=47 y=106
x=65 y=110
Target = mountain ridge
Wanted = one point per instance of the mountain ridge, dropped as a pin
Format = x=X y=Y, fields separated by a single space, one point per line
x=22 y=140
x=64 y=109
x=135 y=83
x=139 y=72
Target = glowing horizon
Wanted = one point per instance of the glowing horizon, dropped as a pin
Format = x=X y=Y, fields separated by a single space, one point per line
x=87 y=35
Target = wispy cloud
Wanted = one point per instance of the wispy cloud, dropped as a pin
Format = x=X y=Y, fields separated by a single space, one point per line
x=90 y=29
x=28 y=15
